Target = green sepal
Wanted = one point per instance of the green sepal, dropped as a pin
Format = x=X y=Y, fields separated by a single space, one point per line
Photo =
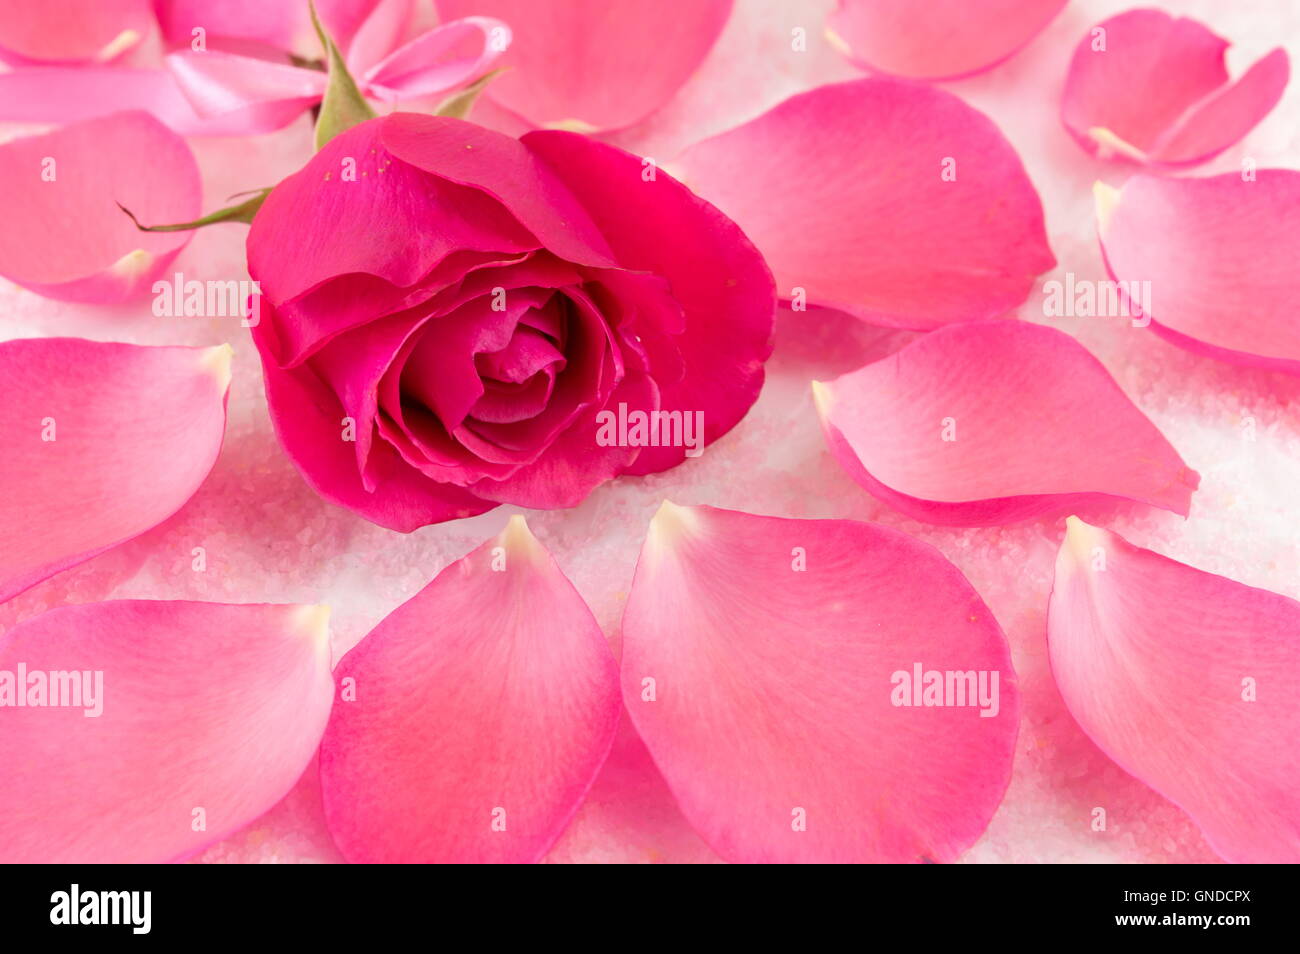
x=343 y=106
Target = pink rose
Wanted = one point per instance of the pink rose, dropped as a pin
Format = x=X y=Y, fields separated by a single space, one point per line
x=452 y=318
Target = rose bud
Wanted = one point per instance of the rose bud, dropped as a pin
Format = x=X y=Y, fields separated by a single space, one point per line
x=451 y=318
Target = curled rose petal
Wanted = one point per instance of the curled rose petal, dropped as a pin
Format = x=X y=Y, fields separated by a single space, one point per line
x=1218 y=256
x=1189 y=681
x=483 y=709
x=440 y=60
x=590 y=64
x=71 y=30
x=102 y=442
x=1152 y=88
x=992 y=422
x=817 y=690
x=65 y=236
x=140 y=720
x=919 y=213
x=939 y=39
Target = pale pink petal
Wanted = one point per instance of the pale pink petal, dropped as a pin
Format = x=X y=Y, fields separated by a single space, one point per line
x=997 y=421
x=378 y=34
x=761 y=665
x=204 y=716
x=1153 y=89
x=937 y=39
x=439 y=60
x=68 y=94
x=71 y=30
x=1189 y=681
x=592 y=64
x=483 y=709
x=1222 y=259
x=271 y=22
x=282 y=24
x=893 y=201
x=263 y=95
x=65 y=236
x=101 y=443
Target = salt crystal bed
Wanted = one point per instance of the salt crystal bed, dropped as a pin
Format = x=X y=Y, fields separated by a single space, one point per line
x=269 y=538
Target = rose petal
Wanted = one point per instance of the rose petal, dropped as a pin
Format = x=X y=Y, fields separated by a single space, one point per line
x=1158 y=92
x=439 y=60
x=65 y=236
x=712 y=272
x=67 y=94
x=505 y=169
x=207 y=712
x=939 y=39
x=71 y=30
x=575 y=463
x=313 y=428
x=260 y=95
x=350 y=184
x=484 y=708
x=1220 y=255
x=102 y=442
x=767 y=694
x=591 y=64
x=282 y=24
x=997 y=421
x=1160 y=664
x=878 y=231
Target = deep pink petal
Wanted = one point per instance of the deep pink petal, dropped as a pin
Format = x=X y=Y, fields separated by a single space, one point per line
x=712 y=271
x=353 y=182
x=880 y=232
x=1221 y=257
x=505 y=169
x=1189 y=681
x=595 y=64
x=1158 y=93
x=209 y=713
x=997 y=421
x=574 y=464
x=484 y=708
x=101 y=443
x=441 y=371
x=760 y=662
x=310 y=421
x=65 y=236
x=938 y=39
x=71 y=30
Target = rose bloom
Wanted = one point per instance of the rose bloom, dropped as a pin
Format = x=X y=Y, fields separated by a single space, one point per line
x=446 y=311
